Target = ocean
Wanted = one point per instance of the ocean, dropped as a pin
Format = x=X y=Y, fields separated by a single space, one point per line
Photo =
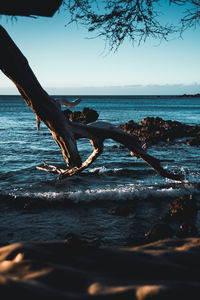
x=38 y=206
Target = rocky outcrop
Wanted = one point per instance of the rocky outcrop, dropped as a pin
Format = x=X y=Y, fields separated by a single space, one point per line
x=153 y=130
x=88 y=115
x=182 y=213
x=185 y=207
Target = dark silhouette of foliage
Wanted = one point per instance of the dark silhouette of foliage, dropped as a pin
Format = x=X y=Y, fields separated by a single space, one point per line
x=45 y=8
x=116 y=20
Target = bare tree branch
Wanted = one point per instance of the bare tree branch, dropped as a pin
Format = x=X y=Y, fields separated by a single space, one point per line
x=97 y=132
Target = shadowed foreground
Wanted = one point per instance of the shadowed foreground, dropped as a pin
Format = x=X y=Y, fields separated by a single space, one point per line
x=161 y=270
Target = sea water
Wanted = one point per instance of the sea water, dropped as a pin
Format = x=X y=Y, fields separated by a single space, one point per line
x=114 y=177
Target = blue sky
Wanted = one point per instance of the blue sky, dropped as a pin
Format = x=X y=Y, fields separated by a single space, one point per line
x=66 y=62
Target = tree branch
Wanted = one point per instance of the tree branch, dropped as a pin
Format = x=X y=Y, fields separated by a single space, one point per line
x=99 y=131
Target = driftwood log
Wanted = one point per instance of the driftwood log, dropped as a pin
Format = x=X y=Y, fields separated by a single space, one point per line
x=97 y=132
x=15 y=66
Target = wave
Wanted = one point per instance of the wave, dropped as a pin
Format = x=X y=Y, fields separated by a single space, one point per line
x=118 y=193
x=101 y=195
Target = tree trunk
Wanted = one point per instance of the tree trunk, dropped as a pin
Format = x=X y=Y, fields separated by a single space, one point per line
x=15 y=66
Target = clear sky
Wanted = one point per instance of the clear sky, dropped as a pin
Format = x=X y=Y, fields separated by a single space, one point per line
x=66 y=62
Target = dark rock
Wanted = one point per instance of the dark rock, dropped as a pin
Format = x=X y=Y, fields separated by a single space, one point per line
x=187 y=230
x=121 y=211
x=153 y=130
x=183 y=208
x=130 y=125
x=159 y=232
x=76 y=116
x=88 y=115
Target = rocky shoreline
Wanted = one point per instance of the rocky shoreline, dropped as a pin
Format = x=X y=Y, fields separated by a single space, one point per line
x=179 y=221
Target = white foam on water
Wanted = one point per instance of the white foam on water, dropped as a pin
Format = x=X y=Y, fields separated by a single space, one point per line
x=120 y=193
x=100 y=170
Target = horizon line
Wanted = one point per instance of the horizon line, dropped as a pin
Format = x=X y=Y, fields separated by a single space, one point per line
x=114 y=95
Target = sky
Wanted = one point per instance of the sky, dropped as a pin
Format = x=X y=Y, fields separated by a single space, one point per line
x=67 y=61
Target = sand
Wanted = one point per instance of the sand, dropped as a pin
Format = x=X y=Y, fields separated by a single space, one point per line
x=167 y=269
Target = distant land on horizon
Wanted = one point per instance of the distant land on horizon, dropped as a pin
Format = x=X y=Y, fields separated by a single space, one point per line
x=125 y=90
x=107 y=95
x=191 y=95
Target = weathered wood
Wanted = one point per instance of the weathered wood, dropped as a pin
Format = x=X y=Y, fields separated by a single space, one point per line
x=97 y=132
x=15 y=66
x=65 y=102
x=51 y=169
x=98 y=149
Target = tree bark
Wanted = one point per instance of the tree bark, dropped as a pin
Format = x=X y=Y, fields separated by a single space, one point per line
x=15 y=66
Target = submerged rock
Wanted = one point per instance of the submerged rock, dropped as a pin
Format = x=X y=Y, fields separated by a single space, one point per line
x=183 y=208
x=88 y=115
